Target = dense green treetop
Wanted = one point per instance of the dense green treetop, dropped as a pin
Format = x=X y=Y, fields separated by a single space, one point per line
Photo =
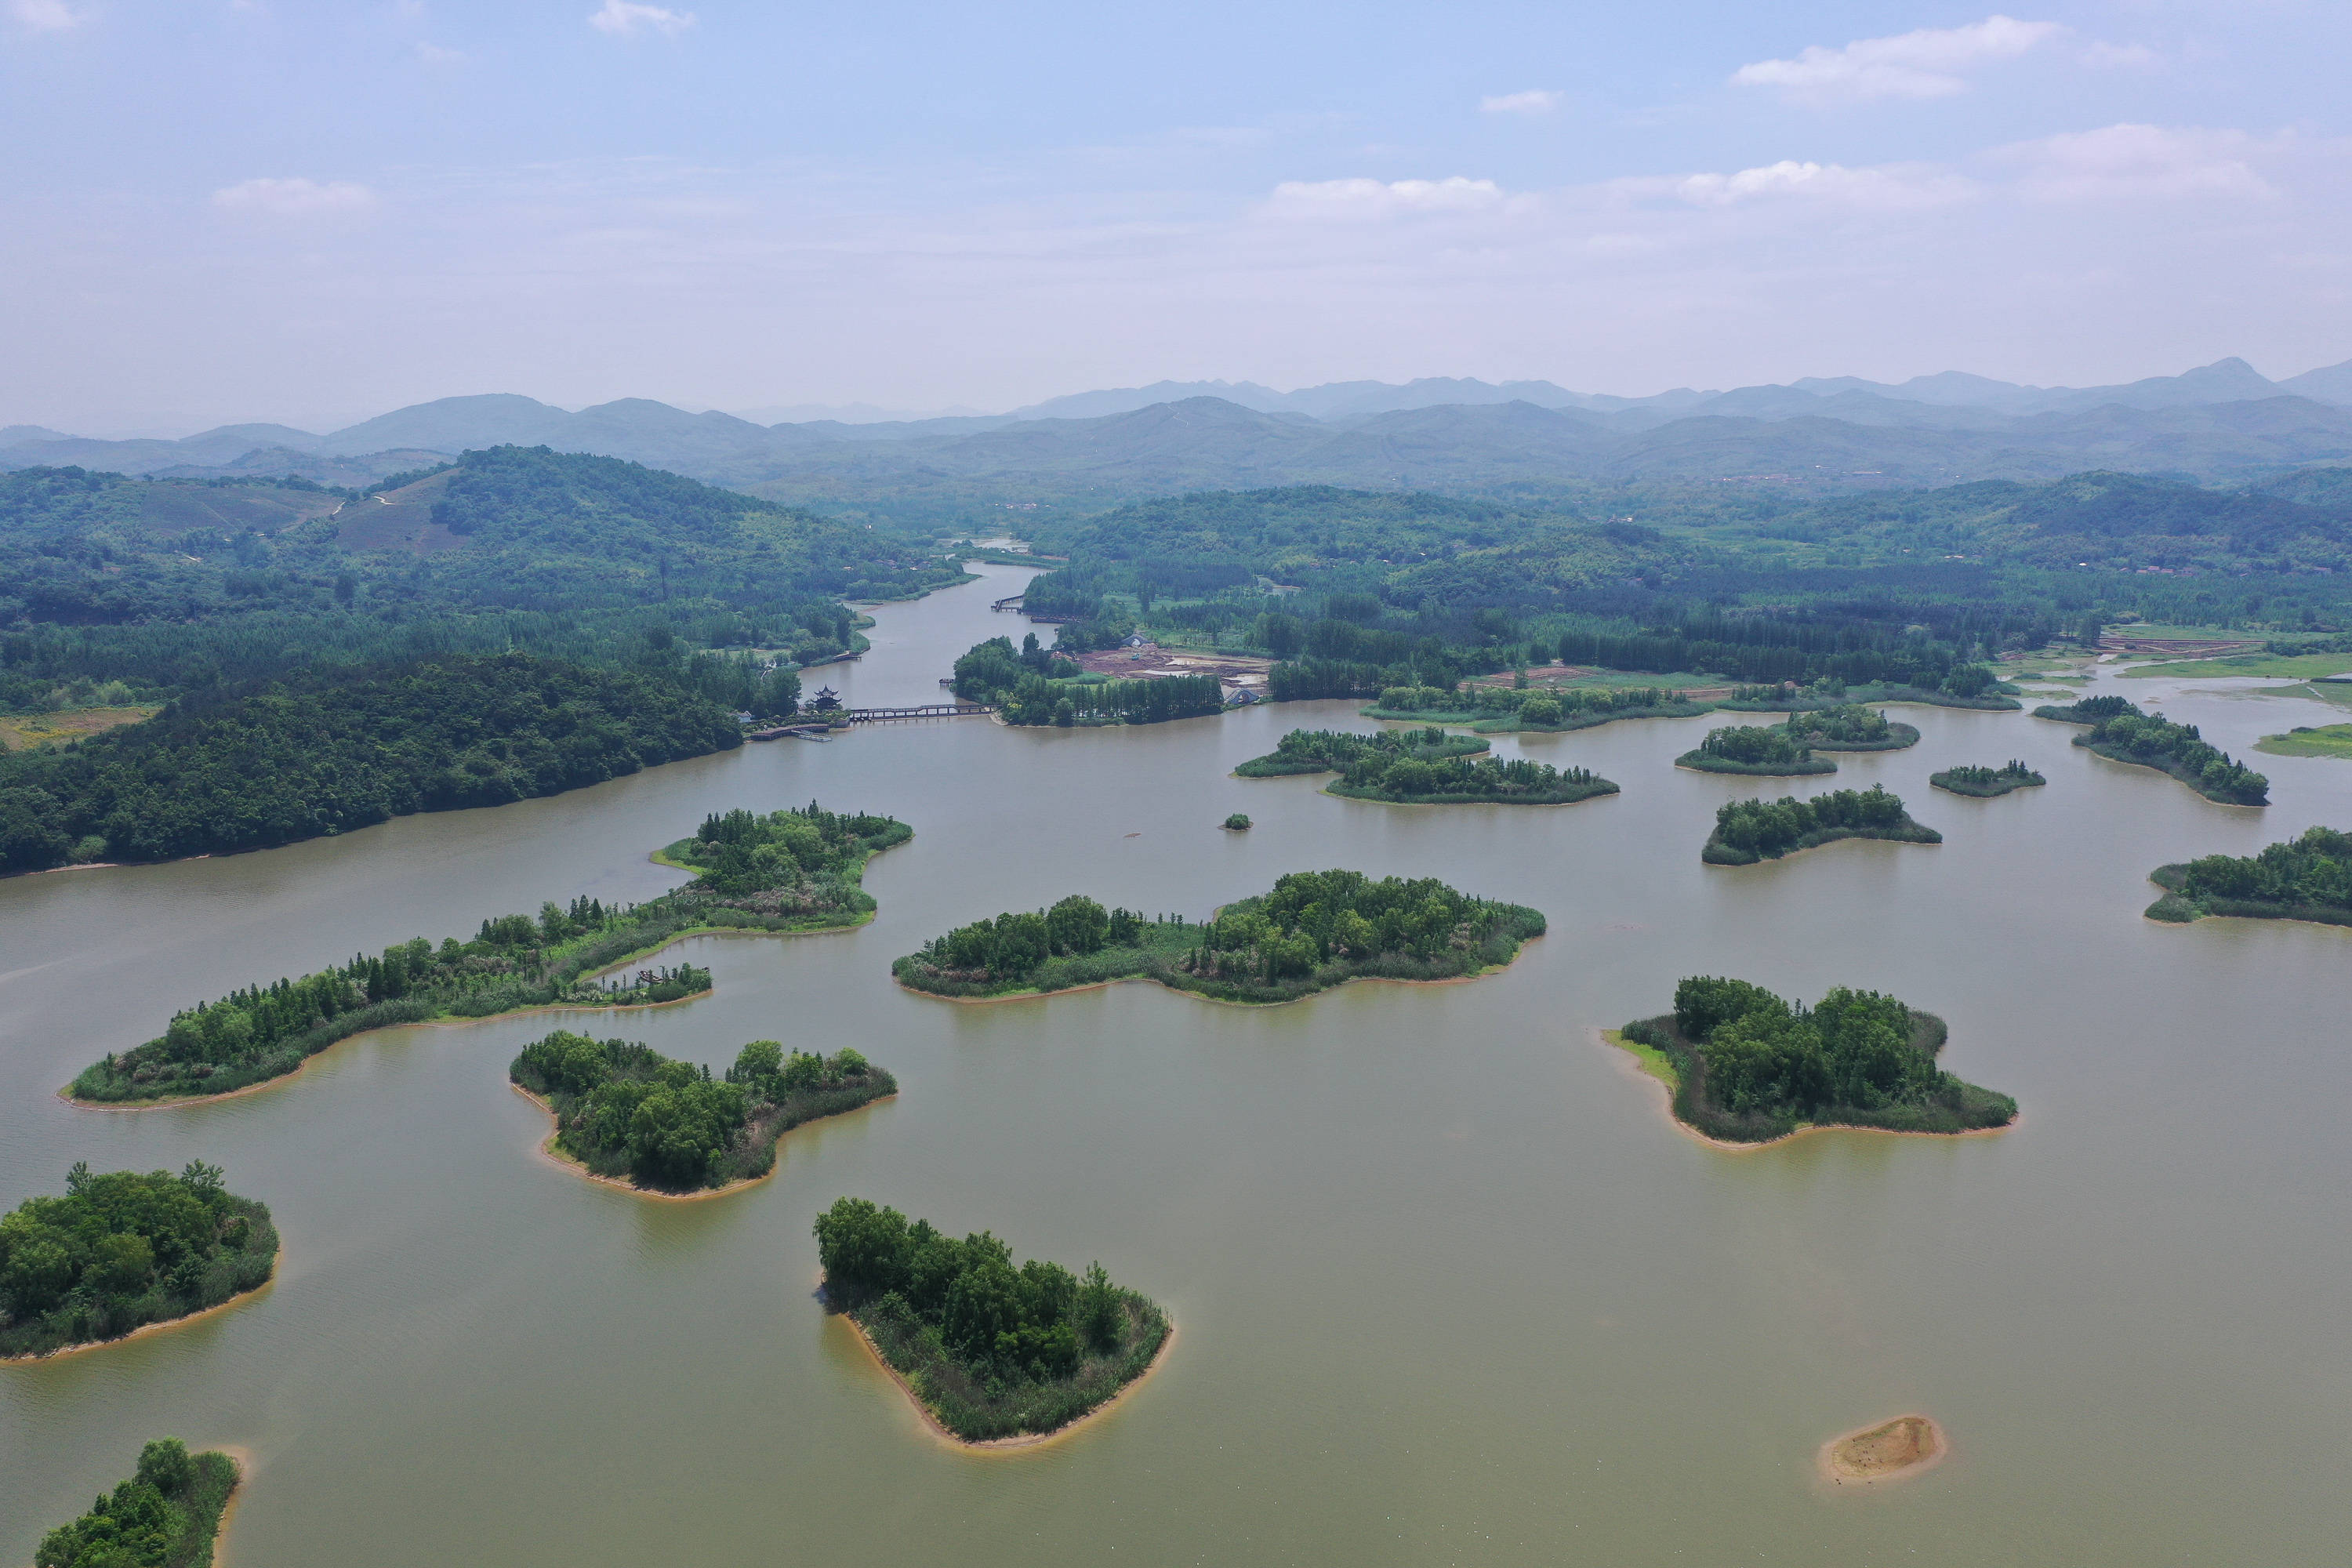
x=1333 y=750
x=803 y=853
x=1756 y=745
x=1515 y=780
x=1749 y=830
x=333 y=751
x=2315 y=869
x=1848 y=723
x=2132 y=736
x=122 y=1249
x=165 y=1516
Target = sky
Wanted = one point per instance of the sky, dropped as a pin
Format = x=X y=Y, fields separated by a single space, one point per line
x=230 y=210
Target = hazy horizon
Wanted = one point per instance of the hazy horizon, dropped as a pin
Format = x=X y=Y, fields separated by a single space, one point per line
x=310 y=215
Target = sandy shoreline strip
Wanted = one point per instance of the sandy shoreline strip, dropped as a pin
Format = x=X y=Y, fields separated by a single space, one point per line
x=1027 y=1442
x=548 y=1150
x=1665 y=1103
x=143 y=1330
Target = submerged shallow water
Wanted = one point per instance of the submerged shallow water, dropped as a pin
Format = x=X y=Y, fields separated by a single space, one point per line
x=1449 y=1285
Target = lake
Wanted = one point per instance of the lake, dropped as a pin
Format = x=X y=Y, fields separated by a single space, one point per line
x=1449 y=1285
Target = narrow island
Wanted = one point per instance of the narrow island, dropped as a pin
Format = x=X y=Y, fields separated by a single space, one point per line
x=1889 y=1451
x=167 y=1515
x=122 y=1251
x=1747 y=831
x=1768 y=749
x=990 y=1353
x=1743 y=1066
x=1985 y=783
x=1463 y=781
x=2306 y=878
x=2121 y=732
x=786 y=872
x=1316 y=930
x=1966 y=686
x=1848 y=727
x=625 y=1114
x=1542 y=709
x=1336 y=751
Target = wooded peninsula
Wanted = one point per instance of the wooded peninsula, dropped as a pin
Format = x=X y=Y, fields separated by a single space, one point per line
x=123 y=1250
x=2121 y=732
x=1314 y=930
x=1747 y=1067
x=990 y=1352
x=788 y=871
x=1747 y=831
x=167 y=1515
x=2306 y=878
x=624 y=1111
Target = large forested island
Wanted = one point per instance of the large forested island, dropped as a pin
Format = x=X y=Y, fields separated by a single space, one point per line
x=2306 y=878
x=794 y=871
x=2120 y=732
x=1316 y=930
x=624 y=1111
x=1336 y=751
x=122 y=1250
x=1849 y=727
x=329 y=752
x=167 y=1515
x=989 y=1351
x=1747 y=831
x=1985 y=783
x=1769 y=751
x=1747 y=1067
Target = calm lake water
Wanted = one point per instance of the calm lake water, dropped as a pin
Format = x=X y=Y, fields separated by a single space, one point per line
x=1450 y=1288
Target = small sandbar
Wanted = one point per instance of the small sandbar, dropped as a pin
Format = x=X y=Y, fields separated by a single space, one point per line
x=1892 y=1450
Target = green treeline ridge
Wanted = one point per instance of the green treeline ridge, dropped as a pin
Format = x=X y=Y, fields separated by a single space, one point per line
x=1334 y=751
x=624 y=1109
x=122 y=1250
x=1747 y=831
x=1313 y=931
x=2128 y=736
x=333 y=751
x=2304 y=878
x=792 y=871
x=166 y=1515
x=1750 y=1066
x=991 y=1351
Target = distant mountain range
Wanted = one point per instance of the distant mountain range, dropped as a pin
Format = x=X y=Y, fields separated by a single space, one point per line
x=2218 y=421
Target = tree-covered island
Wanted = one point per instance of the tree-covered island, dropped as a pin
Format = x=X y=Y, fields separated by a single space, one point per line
x=990 y=1353
x=2122 y=733
x=1766 y=750
x=167 y=1515
x=2306 y=878
x=122 y=1250
x=1747 y=1067
x=1985 y=783
x=1465 y=780
x=1316 y=930
x=787 y=871
x=1747 y=831
x=1545 y=709
x=624 y=1113
x=1336 y=751
x=1849 y=727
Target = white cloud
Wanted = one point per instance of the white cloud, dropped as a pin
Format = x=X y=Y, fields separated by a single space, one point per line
x=1927 y=63
x=1887 y=187
x=2119 y=56
x=294 y=198
x=1537 y=101
x=1378 y=199
x=44 y=15
x=2141 y=162
x=623 y=17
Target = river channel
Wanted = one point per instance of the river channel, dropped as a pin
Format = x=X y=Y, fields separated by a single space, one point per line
x=1450 y=1287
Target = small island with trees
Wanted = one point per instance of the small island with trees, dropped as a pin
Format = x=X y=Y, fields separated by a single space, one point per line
x=2306 y=878
x=1985 y=783
x=1744 y=1066
x=1314 y=930
x=121 y=1251
x=167 y=1515
x=625 y=1114
x=990 y=1352
x=784 y=873
x=1768 y=749
x=1336 y=751
x=1544 y=709
x=1848 y=727
x=1463 y=781
x=2121 y=732
x=1747 y=831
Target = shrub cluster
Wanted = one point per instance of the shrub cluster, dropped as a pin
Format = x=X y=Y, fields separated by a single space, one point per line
x=165 y=1516
x=124 y=1249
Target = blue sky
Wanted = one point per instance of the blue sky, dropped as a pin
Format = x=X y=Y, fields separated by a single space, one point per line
x=311 y=213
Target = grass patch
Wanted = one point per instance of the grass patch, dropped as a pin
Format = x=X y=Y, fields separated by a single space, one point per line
x=2303 y=741
x=22 y=732
x=2287 y=667
x=1648 y=1057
